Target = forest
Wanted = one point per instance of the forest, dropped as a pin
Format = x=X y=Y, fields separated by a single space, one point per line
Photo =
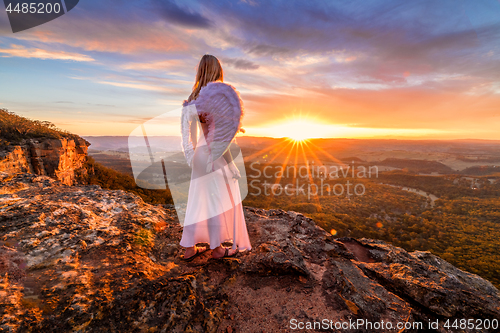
x=463 y=227
x=108 y=178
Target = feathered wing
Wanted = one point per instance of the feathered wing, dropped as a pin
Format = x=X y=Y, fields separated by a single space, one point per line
x=222 y=107
x=189 y=123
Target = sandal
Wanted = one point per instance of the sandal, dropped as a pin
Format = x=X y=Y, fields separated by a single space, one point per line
x=226 y=253
x=198 y=252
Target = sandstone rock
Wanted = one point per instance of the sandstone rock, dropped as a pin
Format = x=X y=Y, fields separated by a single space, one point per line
x=15 y=159
x=58 y=158
x=84 y=259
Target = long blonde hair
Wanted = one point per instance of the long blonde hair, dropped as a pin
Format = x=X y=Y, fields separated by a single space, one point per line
x=209 y=69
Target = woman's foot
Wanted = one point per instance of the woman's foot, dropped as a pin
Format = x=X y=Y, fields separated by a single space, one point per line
x=193 y=251
x=221 y=252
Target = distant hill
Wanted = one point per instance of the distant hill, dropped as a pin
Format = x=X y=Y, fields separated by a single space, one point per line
x=123 y=144
x=482 y=170
x=422 y=166
x=351 y=159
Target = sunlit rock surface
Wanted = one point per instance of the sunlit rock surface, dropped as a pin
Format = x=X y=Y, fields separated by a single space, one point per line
x=61 y=158
x=84 y=259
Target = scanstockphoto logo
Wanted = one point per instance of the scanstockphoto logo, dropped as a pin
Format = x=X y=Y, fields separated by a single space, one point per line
x=310 y=180
x=28 y=14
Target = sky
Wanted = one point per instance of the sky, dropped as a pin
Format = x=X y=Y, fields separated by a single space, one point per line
x=420 y=69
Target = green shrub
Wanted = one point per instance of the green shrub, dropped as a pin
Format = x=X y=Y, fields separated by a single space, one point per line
x=14 y=128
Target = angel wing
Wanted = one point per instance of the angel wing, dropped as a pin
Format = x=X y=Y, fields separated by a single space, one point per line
x=189 y=121
x=222 y=108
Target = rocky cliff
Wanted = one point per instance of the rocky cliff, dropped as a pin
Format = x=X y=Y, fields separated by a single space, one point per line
x=60 y=158
x=84 y=259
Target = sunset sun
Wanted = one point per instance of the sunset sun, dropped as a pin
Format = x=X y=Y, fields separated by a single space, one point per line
x=301 y=129
x=299 y=137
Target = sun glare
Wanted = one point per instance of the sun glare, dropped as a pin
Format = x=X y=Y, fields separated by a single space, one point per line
x=301 y=130
x=299 y=137
x=297 y=132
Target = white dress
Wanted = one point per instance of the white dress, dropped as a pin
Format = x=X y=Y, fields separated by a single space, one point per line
x=214 y=212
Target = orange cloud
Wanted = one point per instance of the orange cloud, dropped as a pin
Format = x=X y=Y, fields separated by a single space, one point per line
x=154 y=65
x=427 y=110
x=110 y=36
x=23 y=52
x=137 y=85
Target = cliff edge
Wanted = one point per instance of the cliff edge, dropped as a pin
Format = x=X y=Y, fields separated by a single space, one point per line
x=62 y=158
x=84 y=259
x=41 y=148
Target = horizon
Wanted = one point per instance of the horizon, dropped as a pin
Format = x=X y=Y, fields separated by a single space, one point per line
x=339 y=138
x=425 y=71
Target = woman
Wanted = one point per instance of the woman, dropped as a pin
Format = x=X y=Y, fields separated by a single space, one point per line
x=214 y=212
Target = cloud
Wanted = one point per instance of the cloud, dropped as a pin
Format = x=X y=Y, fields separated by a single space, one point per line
x=388 y=38
x=182 y=16
x=23 y=52
x=410 y=107
x=114 y=26
x=155 y=84
x=384 y=64
x=153 y=65
x=136 y=85
x=269 y=50
x=106 y=105
x=240 y=63
x=110 y=35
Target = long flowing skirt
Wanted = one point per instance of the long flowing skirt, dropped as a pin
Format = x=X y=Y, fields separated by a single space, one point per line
x=214 y=212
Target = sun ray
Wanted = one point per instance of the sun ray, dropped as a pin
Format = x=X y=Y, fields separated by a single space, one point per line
x=295 y=162
x=316 y=158
x=311 y=180
x=285 y=162
x=306 y=143
x=262 y=151
x=333 y=158
x=278 y=153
